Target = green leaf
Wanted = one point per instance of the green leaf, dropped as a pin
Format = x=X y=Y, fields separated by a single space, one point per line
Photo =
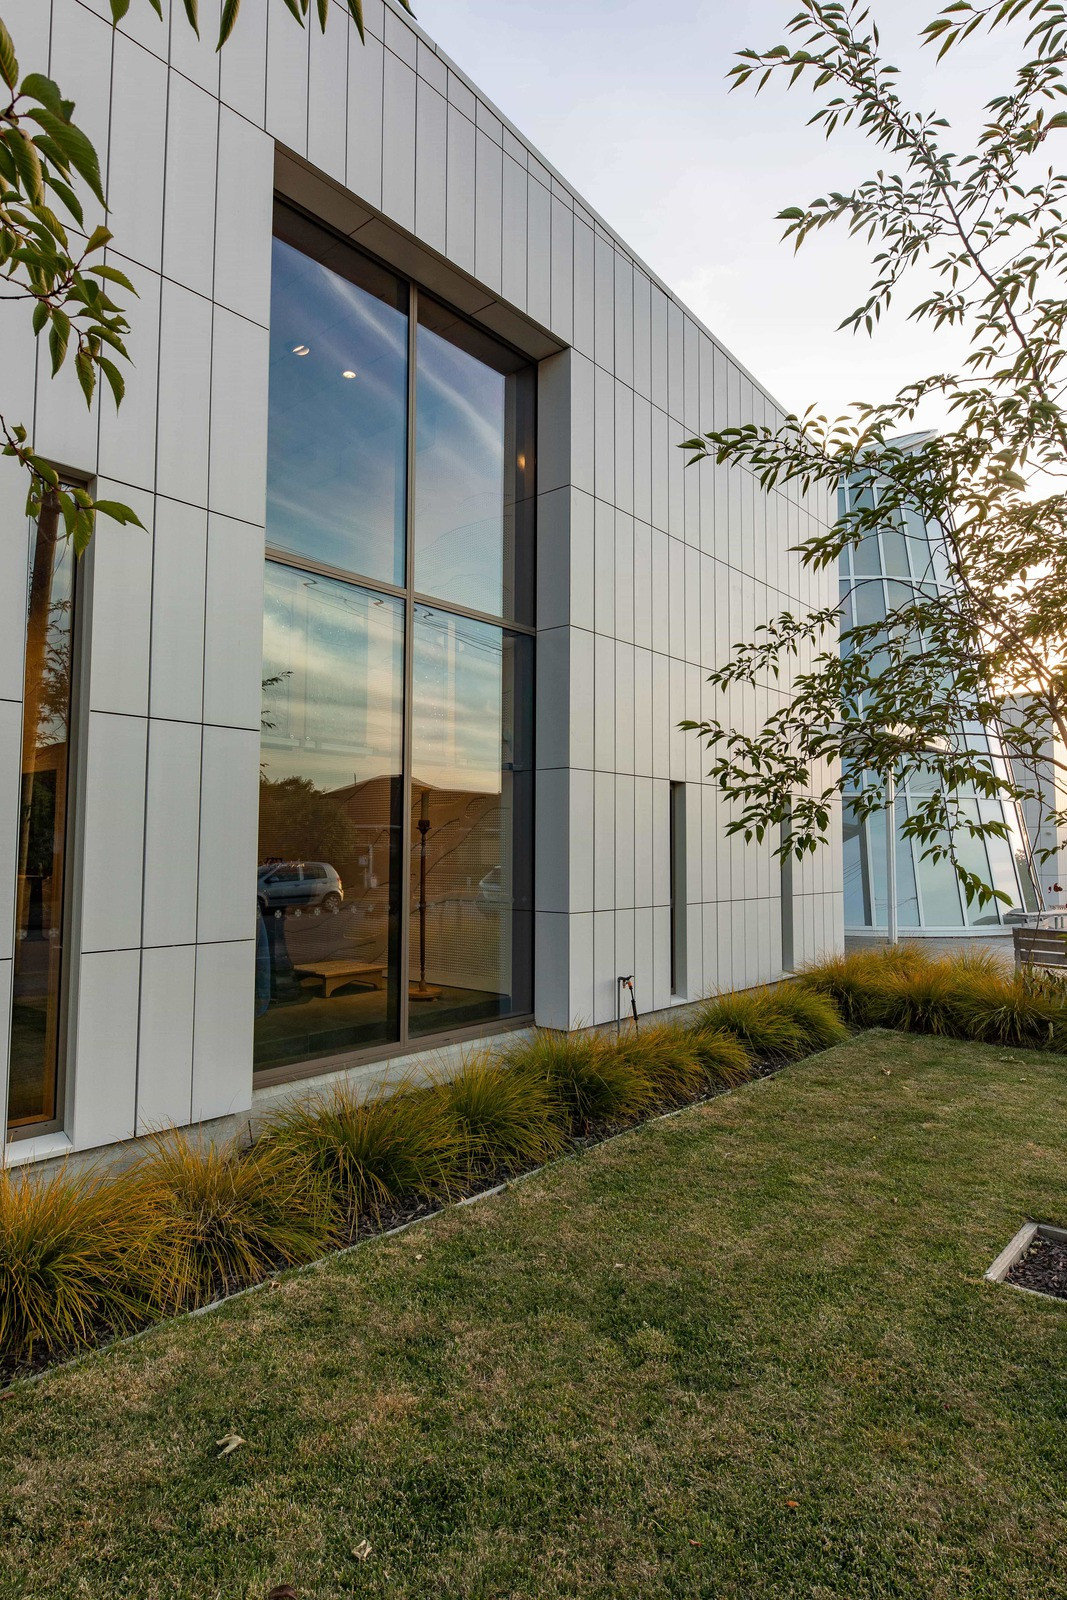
x=356 y=8
x=294 y=6
x=27 y=161
x=324 y=12
x=191 y=12
x=9 y=67
x=40 y=316
x=75 y=147
x=119 y=9
x=86 y=370
x=229 y=17
x=114 y=377
x=99 y=237
x=38 y=87
x=58 y=338
x=113 y=275
x=119 y=513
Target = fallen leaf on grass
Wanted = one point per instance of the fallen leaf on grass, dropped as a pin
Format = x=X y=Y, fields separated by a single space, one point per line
x=230 y=1443
x=793 y=1504
x=362 y=1550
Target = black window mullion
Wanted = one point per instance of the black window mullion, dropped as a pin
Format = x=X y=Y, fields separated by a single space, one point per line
x=404 y=887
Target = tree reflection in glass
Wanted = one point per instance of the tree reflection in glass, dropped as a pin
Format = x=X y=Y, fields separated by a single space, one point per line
x=470 y=848
x=42 y=827
x=327 y=968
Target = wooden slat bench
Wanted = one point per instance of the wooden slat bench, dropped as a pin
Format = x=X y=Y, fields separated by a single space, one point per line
x=336 y=974
x=1040 y=947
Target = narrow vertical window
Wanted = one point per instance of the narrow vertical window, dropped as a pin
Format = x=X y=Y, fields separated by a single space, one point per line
x=678 y=880
x=788 y=889
x=36 y=1010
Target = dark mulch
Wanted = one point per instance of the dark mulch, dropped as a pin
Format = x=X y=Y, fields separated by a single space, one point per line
x=1043 y=1267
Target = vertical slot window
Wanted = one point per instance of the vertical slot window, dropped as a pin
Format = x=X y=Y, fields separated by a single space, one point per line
x=677 y=888
x=36 y=1023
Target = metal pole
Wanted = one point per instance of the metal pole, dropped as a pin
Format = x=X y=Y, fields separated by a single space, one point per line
x=891 y=856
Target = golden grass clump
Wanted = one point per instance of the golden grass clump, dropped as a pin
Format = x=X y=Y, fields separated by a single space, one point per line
x=816 y=1015
x=923 y=999
x=375 y=1153
x=505 y=1118
x=588 y=1079
x=67 y=1246
x=1022 y=1009
x=759 y=1021
x=723 y=1058
x=668 y=1058
x=218 y=1218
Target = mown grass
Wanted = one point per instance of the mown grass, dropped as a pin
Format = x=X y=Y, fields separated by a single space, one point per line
x=741 y=1354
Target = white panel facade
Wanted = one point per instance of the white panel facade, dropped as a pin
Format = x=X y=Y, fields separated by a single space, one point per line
x=646 y=572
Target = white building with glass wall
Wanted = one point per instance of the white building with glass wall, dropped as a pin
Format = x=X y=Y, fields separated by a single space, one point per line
x=368 y=746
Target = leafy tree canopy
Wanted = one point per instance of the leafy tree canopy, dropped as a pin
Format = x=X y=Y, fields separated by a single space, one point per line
x=921 y=689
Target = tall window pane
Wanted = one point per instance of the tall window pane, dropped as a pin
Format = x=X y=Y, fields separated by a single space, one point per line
x=327 y=958
x=473 y=469
x=42 y=827
x=337 y=450
x=470 y=875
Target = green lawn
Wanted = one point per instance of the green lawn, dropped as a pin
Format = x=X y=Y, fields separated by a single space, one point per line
x=743 y=1353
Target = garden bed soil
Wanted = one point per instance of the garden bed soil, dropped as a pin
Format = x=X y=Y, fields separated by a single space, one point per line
x=1043 y=1268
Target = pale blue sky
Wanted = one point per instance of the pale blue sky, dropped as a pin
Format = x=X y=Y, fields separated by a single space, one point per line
x=628 y=99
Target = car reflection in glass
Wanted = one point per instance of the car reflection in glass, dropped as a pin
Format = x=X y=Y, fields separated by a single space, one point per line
x=282 y=885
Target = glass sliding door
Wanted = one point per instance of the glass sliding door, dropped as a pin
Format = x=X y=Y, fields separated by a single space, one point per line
x=42 y=839
x=396 y=796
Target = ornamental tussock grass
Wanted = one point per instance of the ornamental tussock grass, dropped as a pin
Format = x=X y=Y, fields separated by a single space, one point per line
x=723 y=1058
x=588 y=1079
x=1021 y=1010
x=66 y=1247
x=816 y=1015
x=758 y=1020
x=376 y=1153
x=217 y=1218
x=505 y=1118
x=668 y=1058
x=920 y=1000
x=853 y=982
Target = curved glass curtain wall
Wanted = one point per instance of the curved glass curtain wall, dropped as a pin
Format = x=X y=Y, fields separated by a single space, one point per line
x=395 y=878
x=878 y=574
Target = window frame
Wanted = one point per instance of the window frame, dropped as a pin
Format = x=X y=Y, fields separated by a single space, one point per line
x=406 y=1042
x=73 y=851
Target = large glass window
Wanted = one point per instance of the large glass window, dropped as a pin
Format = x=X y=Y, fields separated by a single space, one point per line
x=329 y=818
x=396 y=795
x=474 y=469
x=39 y=924
x=472 y=816
x=337 y=446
